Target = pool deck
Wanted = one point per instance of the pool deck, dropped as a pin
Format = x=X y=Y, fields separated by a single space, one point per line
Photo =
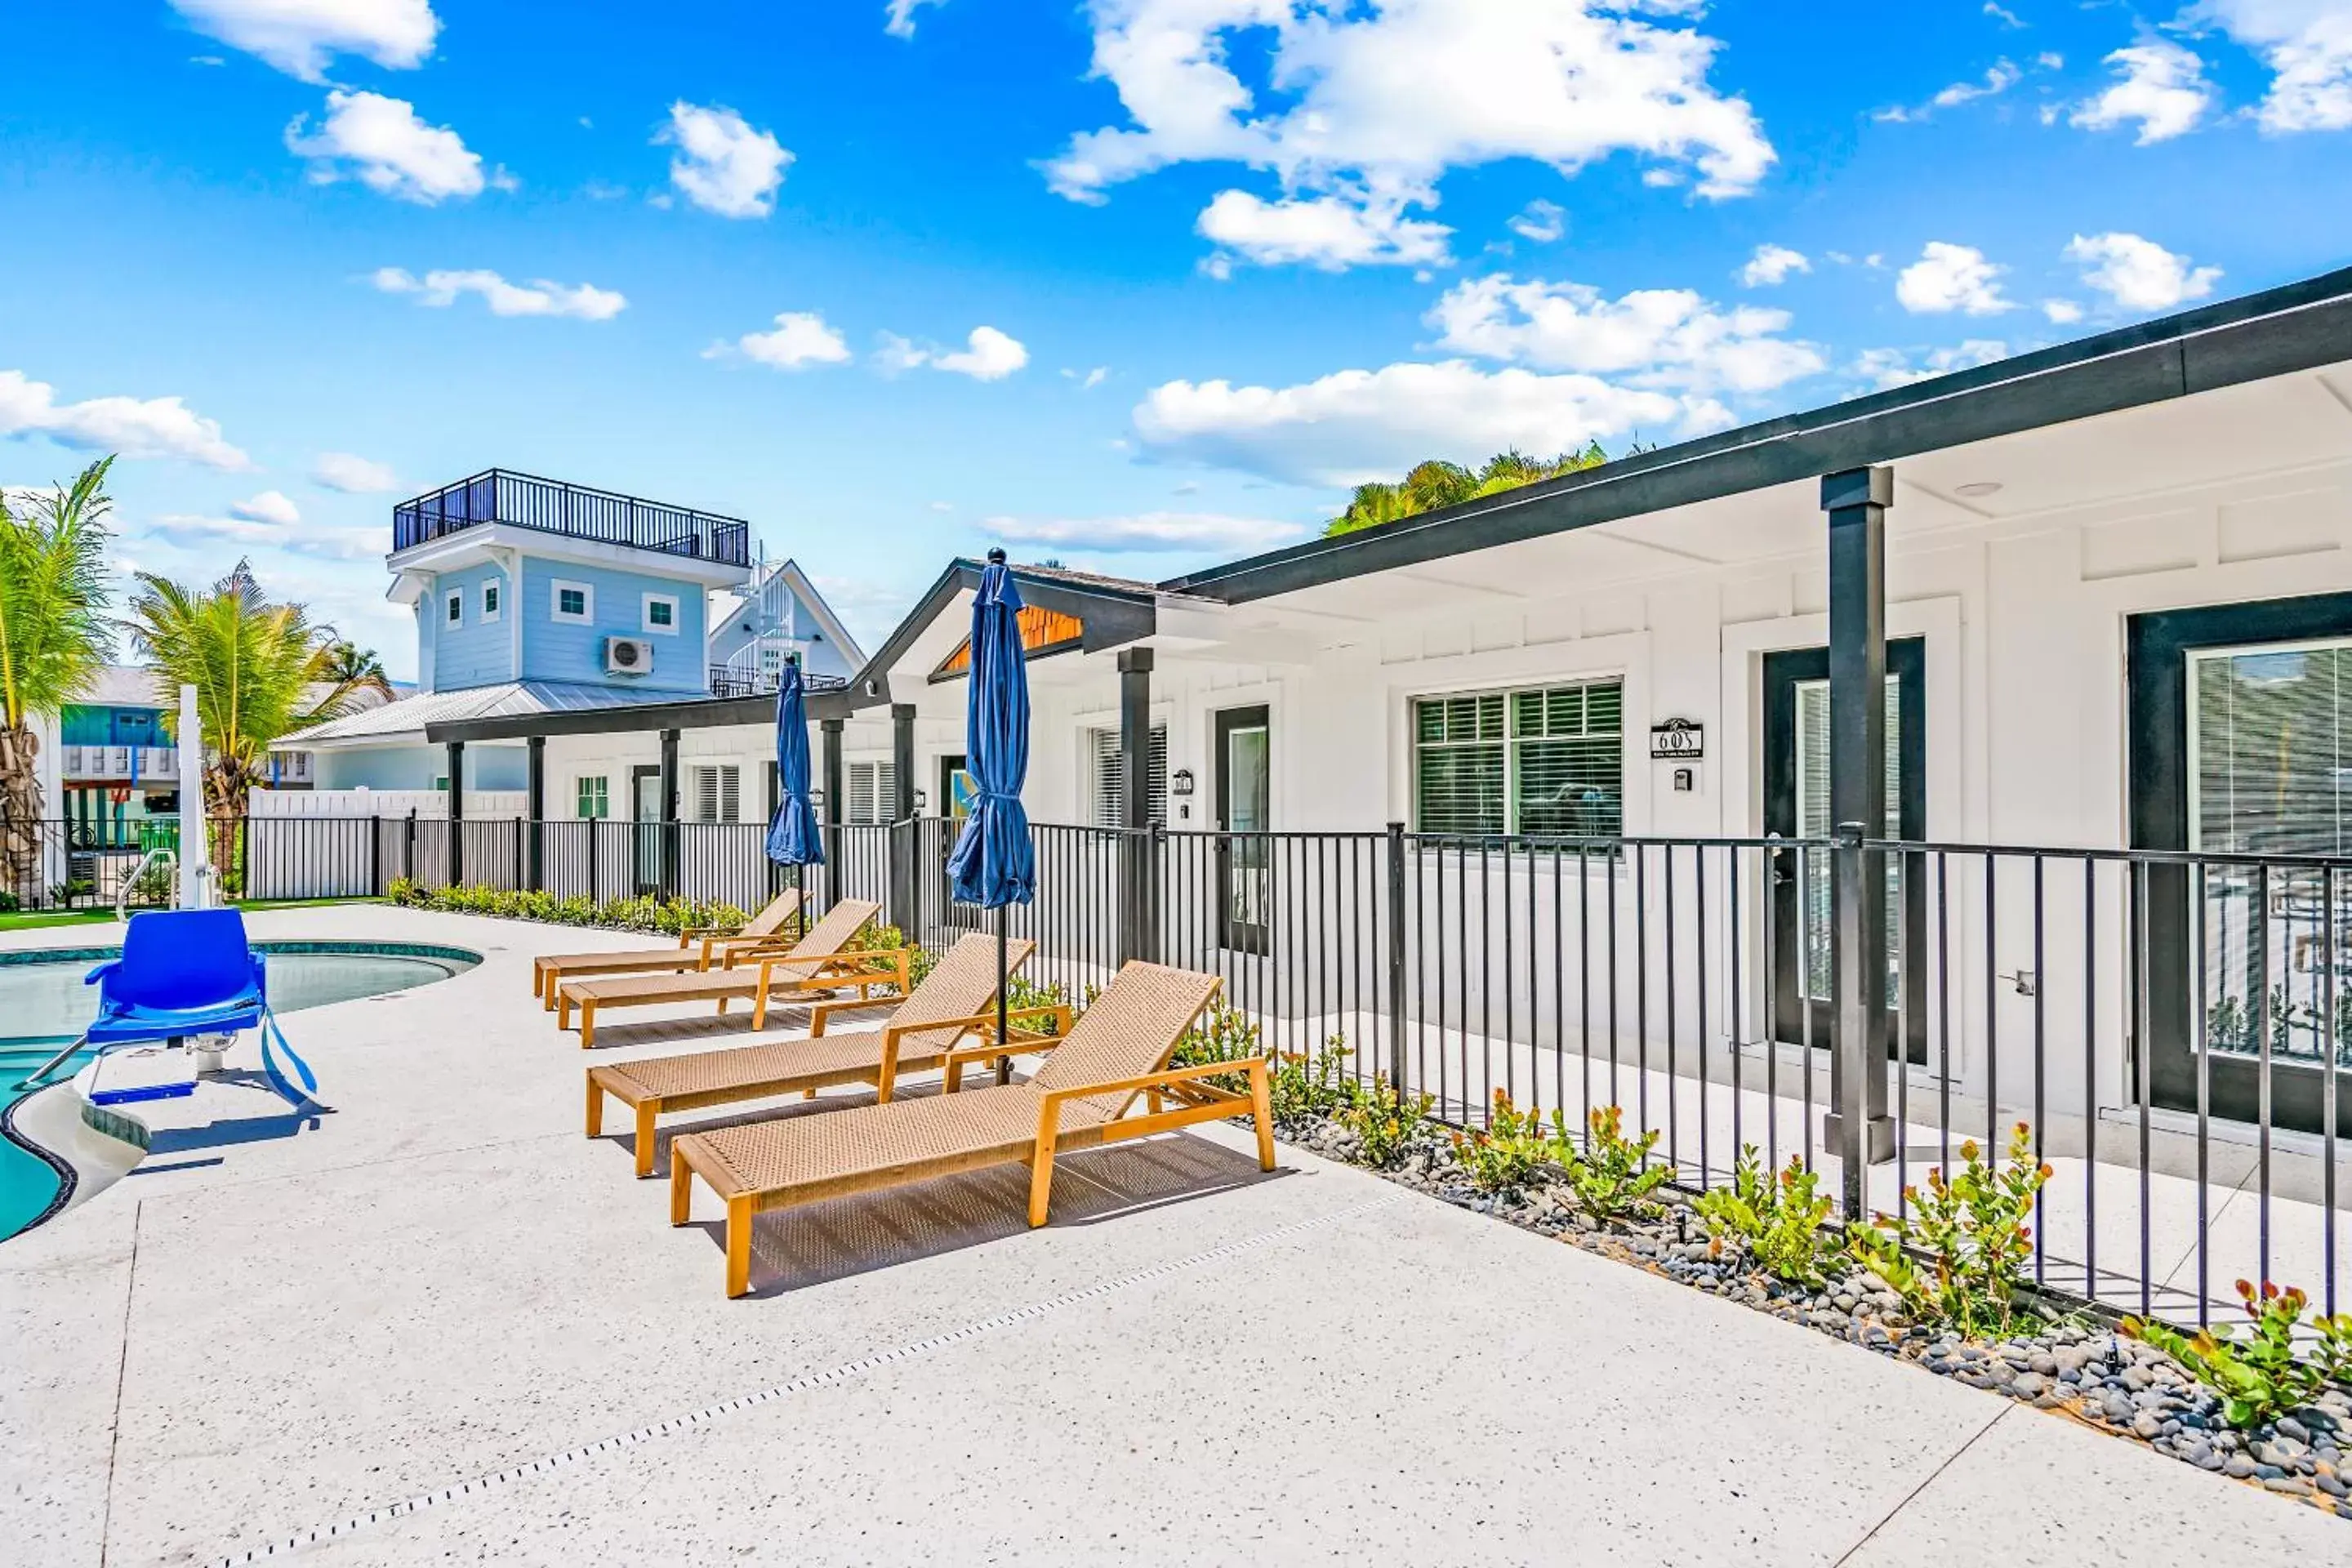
x=282 y=1325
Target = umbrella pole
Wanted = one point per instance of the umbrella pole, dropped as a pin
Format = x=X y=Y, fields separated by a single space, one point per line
x=1003 y=1064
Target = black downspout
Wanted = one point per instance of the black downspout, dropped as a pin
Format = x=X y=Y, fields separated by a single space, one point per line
x=1138 y=902
x=669 y=814
x=536 y=876
x=830 y=730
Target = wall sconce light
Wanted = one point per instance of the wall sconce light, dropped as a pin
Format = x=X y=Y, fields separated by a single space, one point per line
x=922 y=799
x=1180 y=782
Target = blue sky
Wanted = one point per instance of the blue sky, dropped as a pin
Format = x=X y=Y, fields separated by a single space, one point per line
x=1136 y=284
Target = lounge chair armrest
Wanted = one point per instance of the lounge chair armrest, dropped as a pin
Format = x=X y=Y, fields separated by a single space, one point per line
x=1160 y=1079
x=1059 y=1011
x=822 y=1011
x=690 y=934
x=102 y=970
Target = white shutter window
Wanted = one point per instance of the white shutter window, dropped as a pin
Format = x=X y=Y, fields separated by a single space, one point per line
x=1107 y=772
x=719 y=792
x=872 y=791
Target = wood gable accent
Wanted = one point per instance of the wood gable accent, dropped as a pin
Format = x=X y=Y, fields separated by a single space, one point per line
x=1042 y=632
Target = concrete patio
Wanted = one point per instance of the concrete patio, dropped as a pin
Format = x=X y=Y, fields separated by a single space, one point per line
x=441 y=1295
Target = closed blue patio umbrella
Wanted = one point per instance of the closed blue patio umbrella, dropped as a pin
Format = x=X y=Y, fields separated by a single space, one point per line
x=793 y=836
x=994 y=863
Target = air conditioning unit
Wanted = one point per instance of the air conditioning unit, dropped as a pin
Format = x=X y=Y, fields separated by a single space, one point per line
x=628 y=656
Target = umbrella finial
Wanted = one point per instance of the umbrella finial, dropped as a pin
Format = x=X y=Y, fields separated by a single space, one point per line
x=996 y=555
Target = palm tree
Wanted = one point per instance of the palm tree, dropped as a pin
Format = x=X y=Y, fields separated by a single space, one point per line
x=1437 y=484
x=347 y=671
x=54 y=636
x=250 y=661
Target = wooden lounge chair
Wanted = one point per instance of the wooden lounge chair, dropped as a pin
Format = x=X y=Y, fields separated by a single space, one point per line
x=928 y=1030
x=1116 y=1053
x=697 y=946
x=820 y=962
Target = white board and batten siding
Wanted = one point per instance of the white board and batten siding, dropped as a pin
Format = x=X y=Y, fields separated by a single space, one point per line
x=481 y=804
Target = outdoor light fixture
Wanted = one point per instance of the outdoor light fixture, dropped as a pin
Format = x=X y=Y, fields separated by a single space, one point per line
x=1180 y=782
x=1976 y=489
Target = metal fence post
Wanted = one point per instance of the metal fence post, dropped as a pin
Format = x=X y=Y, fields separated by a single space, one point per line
x=595 y=895
x=375 y=857
x=1396 y=957
x=899 y=885
x=408 y=848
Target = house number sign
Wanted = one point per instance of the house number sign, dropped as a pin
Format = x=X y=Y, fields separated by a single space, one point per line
x=1677 y=740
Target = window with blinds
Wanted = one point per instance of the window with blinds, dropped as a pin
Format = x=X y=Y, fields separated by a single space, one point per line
x=2269 y=738
x=871 y=788
x=718 y=793
x=1549 y=761
x=1107 y=774
x=1813 y=821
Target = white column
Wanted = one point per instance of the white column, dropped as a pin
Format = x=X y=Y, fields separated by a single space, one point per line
x=195 y=880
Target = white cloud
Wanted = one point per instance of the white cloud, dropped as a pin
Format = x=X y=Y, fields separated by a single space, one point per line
x=440 y=288
x=1772 y=265
x=300 y=37
x=801 y=338
x=1656 y=337
x=1087 y=379
x=2004 y=14
x=898 y=20
x=2062 y=312
x=135 y=428
x=724 y=165
x=2161 y=88
x=2307 y=44
x=2000 y=79
x=352 y=474
x=270 y=506
x=1370 y=106
x=1333 y=232
x=987 y=355
x=1887 y=368
x=1154 y=531
x=1540 y=222
x=320 y=541
x=1359 y=424
x=2138 y=274
x=381 y=143
x=1949 y=276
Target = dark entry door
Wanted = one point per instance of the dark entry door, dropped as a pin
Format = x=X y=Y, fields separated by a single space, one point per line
x=2241 y=726
x=646 y=836
x=1797 y=806
x=1244 y=768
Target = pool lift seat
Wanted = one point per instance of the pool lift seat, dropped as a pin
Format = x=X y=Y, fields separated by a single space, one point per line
x=185 y=973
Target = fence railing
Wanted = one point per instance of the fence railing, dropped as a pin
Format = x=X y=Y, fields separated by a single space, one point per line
x=2174 y=1028
x=524 y=500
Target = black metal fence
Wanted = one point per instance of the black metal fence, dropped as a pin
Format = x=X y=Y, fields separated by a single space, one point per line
x=525 y=500
x=2176 y=1029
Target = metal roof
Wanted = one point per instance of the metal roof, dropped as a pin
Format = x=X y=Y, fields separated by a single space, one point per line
x=408 y=718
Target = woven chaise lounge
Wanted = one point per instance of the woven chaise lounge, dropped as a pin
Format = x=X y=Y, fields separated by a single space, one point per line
x=1114 y=1055
x=822 y=961
x=697 y=946
x=925 y=1031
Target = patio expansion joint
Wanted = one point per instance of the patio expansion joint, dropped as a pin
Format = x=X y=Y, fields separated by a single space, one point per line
x=121 y=1375
x=2007 y=1409
x=675 y=1425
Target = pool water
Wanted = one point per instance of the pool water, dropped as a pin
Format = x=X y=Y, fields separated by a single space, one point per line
x=43 y=1005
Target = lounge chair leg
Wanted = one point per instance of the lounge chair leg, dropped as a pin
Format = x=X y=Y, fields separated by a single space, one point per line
x=647 y=1109
x=954 y=1077
x=1262 y=1114
x=759 y=1003
x=595 y=1108
x=554 y=983
x=1040 y=1184
x=808 y=1094
x=738 y=1246
x=681 y=1190
x=722 y=1006
x=587 y=1024
x=537 y=978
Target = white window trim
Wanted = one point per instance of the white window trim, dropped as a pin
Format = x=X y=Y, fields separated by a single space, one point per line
x=493 y=591
x=453 y=608
x=555 y=590
x=646 y=615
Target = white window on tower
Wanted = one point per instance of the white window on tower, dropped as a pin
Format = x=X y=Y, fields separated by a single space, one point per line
x=871 y=788
x=1107 y=772
x=454 y=608
x=491 y=600
x=573 y=603
x=660 y=618
x=718 y=793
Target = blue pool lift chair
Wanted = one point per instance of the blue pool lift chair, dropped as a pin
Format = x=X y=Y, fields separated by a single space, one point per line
x=186 y=972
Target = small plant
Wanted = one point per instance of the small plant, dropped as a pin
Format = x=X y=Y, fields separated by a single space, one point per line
x=1503 y=1156
x=1221 y=1035
x=1611 y=1174
x=2262 y=1375
x=1971 y=1231
x=1386 y=1123
x=1775 y=1220
x=1309 y=1087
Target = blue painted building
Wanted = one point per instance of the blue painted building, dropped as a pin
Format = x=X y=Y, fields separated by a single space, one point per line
x=532 y=595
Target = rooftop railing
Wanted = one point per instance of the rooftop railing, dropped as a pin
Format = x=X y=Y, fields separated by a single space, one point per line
x=574 y=511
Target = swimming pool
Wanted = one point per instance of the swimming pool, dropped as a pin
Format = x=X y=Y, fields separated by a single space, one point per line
x=43 y=1005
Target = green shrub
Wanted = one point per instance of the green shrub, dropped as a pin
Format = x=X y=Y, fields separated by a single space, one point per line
x=1502 y=1157
x=642 y=913
x=1309 y=1087
x=1611 y=1174
x=1972 y=1232
x=2262 y=1376
x=1386 y=1122
x=1777 y=1222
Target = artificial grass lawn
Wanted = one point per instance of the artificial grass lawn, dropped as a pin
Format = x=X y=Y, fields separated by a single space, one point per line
x=36 y=920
